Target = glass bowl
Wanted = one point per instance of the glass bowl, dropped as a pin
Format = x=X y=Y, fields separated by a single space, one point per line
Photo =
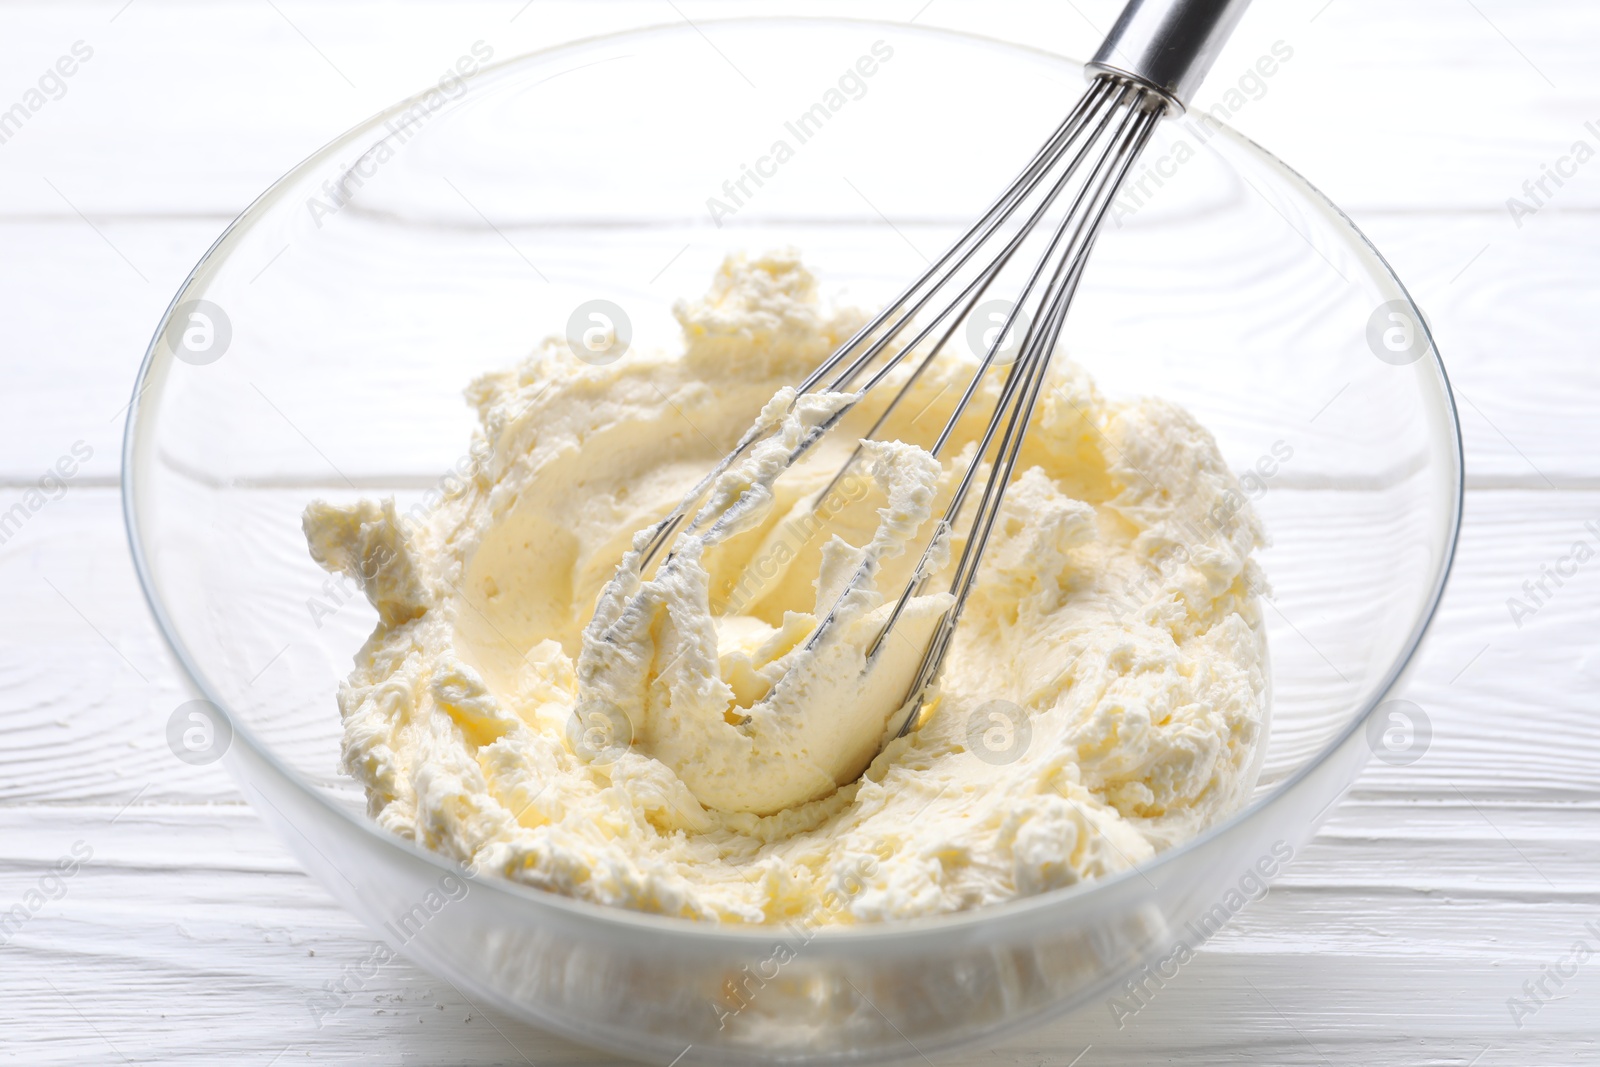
x=320 y=347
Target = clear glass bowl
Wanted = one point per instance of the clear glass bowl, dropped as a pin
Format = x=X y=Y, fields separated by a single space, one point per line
x=479 y=215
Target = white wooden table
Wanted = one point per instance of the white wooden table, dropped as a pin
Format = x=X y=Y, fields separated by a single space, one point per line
x=1438 y=892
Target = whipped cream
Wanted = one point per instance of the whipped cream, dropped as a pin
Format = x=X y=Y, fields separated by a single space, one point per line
x=531 y=705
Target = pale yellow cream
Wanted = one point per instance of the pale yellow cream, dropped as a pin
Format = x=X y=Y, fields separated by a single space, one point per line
x=1104 y=697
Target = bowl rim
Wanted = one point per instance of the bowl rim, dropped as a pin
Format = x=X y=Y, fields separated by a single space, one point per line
x=1084 y=895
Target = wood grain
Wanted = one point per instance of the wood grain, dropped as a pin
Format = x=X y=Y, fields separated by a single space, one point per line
x=1506 y=308
x=1453 y=879
x=1434 y=891
x=1415 y=106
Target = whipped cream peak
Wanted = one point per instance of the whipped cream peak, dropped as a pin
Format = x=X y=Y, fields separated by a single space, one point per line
x=805 y=710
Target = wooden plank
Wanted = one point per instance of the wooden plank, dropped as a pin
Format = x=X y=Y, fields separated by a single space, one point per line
x=1436 y=889
x=183 y=914
x=78 y=613
x=1456 y=110
x=1506 y=308
x=75 y=626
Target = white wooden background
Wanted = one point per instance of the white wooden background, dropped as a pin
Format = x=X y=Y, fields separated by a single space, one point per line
x=1397 y=937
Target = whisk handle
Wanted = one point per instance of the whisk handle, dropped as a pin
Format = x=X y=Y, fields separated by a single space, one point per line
x=1168 y=45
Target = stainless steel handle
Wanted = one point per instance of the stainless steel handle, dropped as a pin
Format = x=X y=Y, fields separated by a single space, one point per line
x=1168 y=45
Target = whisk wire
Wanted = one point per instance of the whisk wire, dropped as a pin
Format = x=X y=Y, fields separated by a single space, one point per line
x=1130 y=112
x=1001 y=209
x=1033 y=352
x=1029 y=372
x=1019 y=392
x=967 y=300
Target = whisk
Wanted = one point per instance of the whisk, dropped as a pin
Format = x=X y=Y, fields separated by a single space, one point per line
x=1148 y=67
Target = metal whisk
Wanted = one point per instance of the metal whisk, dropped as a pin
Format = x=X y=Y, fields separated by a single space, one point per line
x=1147 y=67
